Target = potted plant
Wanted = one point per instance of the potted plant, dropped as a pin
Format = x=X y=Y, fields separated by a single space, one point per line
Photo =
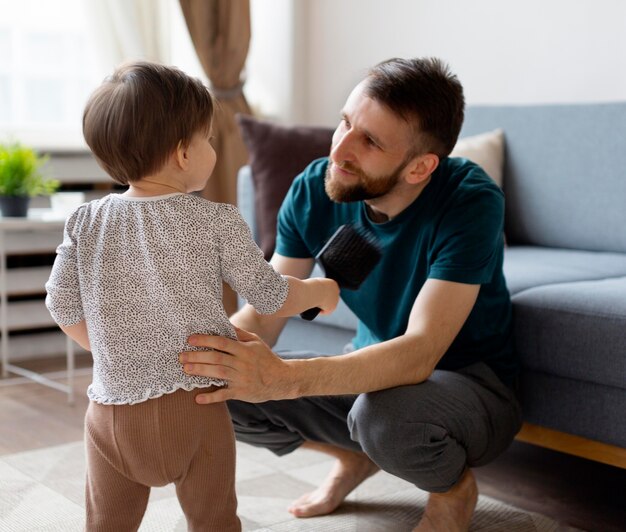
x=21 y=179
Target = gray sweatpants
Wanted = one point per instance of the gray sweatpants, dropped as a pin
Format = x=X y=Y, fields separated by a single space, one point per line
x=425 y=433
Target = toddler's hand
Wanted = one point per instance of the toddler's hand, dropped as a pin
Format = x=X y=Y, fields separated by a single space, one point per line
x=329 y=295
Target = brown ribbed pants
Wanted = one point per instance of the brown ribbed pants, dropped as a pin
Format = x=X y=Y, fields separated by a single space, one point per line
x=171 y=439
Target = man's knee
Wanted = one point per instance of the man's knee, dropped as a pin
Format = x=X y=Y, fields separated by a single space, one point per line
x=382 y=420
x=415 y=448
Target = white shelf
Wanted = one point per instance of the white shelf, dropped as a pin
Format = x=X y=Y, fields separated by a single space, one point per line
x=76 y=167
x=27 y=281
x=38 y=345
x=23 y=315
x=29 y=242
x=26 y=326
x=22 y=322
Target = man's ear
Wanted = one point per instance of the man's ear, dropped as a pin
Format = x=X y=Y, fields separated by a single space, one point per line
x=421 y=167
x=181 y=156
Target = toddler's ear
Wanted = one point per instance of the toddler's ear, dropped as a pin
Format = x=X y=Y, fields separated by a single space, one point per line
x=181 y=156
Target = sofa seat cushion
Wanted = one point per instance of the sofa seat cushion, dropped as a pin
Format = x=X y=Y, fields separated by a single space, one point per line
x=312 y=336
x=531 y=266
x=574 y=330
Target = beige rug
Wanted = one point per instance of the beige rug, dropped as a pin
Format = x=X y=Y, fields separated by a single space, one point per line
x=42 y=490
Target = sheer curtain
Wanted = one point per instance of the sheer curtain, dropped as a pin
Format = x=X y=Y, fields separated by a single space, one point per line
x=129 y=29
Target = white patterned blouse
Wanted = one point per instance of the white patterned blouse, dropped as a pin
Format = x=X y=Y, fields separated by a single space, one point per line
x=145 y=273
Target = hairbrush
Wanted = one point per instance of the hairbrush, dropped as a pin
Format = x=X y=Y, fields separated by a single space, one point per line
x=348 y=257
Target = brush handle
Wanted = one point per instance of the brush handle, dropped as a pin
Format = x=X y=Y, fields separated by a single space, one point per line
x=310 y=314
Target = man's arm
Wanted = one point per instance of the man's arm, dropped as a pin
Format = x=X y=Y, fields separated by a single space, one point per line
x=269 y=327
x=439 y=312
x=255 y=374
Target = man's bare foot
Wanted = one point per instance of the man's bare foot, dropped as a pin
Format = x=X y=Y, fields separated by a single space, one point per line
x=350 y=469
x=451 y=511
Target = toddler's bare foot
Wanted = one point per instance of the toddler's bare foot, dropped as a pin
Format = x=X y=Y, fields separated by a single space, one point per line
x=350 y=469
x=451 y=511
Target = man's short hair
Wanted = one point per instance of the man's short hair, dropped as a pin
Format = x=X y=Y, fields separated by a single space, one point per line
x=135 y=120
x=426 y=94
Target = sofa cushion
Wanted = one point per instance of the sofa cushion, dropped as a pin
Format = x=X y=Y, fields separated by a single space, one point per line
x=565 y=172
x=574 y=330
x=277 y=154
x=528 y=266
x=486 y=150
x=300 y=335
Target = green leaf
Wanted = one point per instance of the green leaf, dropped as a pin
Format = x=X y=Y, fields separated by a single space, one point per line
x=20 y=173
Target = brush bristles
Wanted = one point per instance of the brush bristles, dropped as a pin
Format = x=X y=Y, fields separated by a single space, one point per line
x=349 y=256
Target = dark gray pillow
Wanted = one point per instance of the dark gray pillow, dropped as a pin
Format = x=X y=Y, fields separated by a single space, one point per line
x=277 y=154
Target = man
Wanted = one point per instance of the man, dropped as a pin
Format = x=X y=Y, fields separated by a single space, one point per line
x=427 y=391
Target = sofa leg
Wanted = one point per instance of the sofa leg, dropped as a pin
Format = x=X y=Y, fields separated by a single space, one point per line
x=570 y=444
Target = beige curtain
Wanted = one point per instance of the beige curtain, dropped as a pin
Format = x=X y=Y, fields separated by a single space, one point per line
x=220 y=32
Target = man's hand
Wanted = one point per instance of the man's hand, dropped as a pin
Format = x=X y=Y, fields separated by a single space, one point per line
x=253 y=371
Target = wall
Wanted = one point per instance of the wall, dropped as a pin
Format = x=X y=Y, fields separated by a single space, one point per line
x=537 y=51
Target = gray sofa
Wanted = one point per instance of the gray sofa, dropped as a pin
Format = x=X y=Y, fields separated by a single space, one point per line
x=565 y=264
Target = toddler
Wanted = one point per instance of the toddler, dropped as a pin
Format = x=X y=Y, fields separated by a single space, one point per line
x=136 y=275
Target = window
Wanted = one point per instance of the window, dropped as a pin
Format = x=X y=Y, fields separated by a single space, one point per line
x=46 y=71
x=50 y=63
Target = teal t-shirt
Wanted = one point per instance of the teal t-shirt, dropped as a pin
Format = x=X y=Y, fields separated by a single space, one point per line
x=453 y=231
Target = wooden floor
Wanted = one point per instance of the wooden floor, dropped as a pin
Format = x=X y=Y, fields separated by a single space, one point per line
x=573 y=491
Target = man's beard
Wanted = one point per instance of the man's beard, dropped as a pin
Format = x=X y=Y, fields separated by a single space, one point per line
x=367 y=188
